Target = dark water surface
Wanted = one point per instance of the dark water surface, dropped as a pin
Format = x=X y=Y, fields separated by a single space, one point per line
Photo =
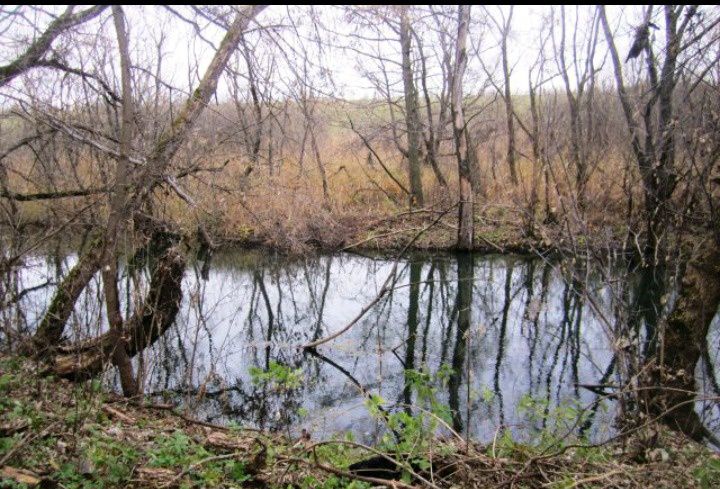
x=508 y=341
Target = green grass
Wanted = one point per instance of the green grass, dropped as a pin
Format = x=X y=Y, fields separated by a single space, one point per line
x=71 y=441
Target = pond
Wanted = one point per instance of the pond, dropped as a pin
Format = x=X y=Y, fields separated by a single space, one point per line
x=506 y=341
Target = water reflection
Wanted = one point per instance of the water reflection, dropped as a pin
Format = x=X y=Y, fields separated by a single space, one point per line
x=522 y=341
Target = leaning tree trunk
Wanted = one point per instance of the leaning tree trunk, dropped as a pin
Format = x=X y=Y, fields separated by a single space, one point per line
x=50 y=331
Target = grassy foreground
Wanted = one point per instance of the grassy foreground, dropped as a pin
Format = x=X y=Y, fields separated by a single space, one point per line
x=57 y=434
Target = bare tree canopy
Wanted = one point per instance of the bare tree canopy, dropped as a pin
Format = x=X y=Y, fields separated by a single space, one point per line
x=36 y=54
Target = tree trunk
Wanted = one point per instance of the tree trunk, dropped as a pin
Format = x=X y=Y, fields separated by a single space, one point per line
x=670 y=383
x=574 y=99
x=321 y=170
x=433 y=140
x=536 y=162
x=116 y=220
x=257 y=107
x=656 y=160
x=466 y=212
x=412 y=116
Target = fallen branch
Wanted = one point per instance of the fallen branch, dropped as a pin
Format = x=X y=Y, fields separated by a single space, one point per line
x=595 y=478
x=376 y=236
x=20 y=476
x=378 y=453
x=26 y=440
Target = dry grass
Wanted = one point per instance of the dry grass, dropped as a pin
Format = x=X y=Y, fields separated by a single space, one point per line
x=286 y=208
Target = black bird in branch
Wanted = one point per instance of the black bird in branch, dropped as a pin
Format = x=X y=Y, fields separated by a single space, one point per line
x=642 y=38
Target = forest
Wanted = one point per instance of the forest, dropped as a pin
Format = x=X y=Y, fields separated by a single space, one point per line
x=359 y=246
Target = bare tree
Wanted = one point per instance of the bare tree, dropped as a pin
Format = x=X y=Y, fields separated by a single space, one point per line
x=435 y=131
x=466 y=214
x=504 y=27
x=583 y=71
x=159 y=308
x=655 y=156
x=116 y=220
x=35 y=56
x=536 y=133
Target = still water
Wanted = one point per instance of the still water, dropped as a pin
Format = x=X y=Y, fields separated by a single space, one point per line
x=507 y=341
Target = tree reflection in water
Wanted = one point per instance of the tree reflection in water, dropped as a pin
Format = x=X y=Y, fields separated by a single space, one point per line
x=510 y=328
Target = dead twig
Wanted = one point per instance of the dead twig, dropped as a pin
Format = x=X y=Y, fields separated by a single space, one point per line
x=118 y=414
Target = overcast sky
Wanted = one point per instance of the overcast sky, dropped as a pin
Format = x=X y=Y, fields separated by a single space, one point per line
x=186 y=55
x=347 y=65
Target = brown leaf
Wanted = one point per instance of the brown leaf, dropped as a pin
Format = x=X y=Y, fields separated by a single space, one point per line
x=155 y=475
x=219 y=439
x=13 y=427
x=20 y=476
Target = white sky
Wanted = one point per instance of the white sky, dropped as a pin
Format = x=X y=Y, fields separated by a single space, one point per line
x=345 y=65
x=183 y=49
